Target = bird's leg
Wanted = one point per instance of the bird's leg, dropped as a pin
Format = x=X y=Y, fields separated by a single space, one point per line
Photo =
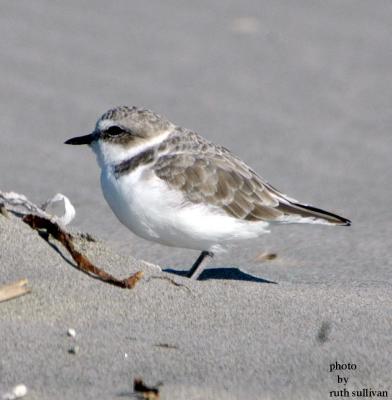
x=197 y=267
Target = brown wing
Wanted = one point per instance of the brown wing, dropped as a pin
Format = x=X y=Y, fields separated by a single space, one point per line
x=220 y=180
x=208 y=173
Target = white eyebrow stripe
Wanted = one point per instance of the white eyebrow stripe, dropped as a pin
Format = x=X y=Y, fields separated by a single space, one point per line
x=105 y=124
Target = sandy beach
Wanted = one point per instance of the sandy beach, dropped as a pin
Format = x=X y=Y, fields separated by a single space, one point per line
x=302 y=93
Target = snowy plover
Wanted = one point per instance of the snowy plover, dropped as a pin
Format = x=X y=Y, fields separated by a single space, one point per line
x=169 y=185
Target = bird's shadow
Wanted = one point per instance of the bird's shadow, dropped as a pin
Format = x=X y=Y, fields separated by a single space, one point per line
x=227 y=273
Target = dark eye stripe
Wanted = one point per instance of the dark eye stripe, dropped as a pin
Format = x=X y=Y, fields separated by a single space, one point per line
x=114 y=130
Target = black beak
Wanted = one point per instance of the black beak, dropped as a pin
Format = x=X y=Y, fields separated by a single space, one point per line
x=86 y=139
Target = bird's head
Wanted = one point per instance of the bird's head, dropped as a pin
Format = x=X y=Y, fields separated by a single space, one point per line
x=123 y=131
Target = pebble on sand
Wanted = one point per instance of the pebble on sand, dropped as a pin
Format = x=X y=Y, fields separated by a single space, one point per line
x=73 y=350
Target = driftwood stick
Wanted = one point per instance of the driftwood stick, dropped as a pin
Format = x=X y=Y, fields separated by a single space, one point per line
x=84 y=264
x=12 y=290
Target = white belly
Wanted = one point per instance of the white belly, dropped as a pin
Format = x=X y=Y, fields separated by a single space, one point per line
x=145 y=205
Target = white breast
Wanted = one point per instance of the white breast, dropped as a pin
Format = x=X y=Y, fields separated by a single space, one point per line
x=149 y=208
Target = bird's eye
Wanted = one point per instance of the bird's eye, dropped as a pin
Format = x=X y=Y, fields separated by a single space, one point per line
x=114 y=130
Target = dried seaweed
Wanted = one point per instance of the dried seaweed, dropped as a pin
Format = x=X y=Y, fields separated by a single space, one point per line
x=20 y=205
x=147 y=392
x=49 y=227
x=266 y=257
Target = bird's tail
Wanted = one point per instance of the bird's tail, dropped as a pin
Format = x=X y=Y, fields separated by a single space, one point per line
x=308 y=213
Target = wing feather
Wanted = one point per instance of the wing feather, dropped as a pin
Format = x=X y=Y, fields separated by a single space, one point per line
x=208 y=173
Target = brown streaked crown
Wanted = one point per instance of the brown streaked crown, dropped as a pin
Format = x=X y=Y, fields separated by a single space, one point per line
x=125 y=125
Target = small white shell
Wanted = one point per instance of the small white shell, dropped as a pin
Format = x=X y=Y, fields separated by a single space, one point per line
x=71 y=332
x=69 y=209
x=17 y=392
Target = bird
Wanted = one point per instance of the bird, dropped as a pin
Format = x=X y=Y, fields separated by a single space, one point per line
x=170 y=185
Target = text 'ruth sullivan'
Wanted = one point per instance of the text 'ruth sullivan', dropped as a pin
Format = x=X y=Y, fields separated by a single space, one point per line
x=343 y=371
x=365 y=392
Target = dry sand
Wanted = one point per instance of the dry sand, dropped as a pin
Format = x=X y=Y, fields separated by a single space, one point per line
x=302 y=92
x=215 y=339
